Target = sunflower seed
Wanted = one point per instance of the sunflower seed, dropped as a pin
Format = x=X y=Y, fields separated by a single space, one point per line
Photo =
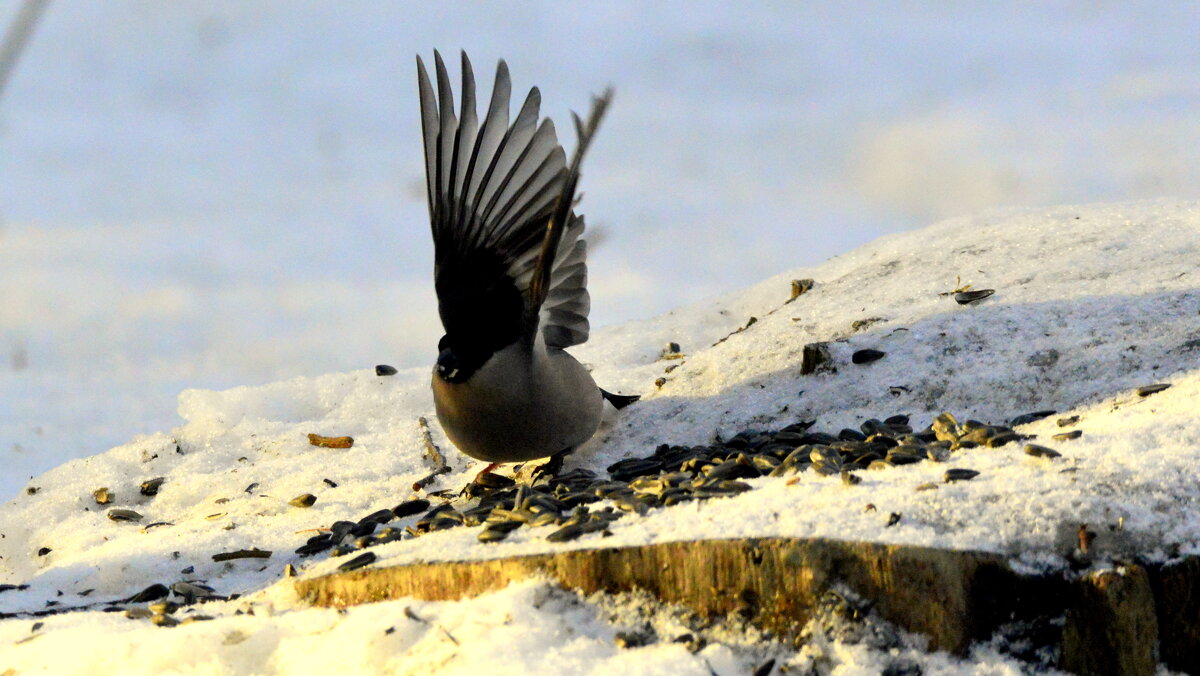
x=1002 y=439
x=151 y=593
x=364 y=559
x=566 y=533
x=1038 y=451
x=124 y=515
x=945 y=427
x=305 y=500
x=867 y=356
x=411 y=507
x=1030 y=417
x=968 y=297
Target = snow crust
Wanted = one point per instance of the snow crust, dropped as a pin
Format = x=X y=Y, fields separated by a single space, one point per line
x=1091 y=302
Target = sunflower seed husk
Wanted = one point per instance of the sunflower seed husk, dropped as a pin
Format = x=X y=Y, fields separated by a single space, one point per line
x=968 y=297
x=1030 y=417
x=959 y=474
x=124 y=515
x=150 y=487
x=1039 y=451
x=566 y=533
x=411 y=507
x=364 y=559
x=867 y=356
x=1002 y=439
x=304 y=501
x=814 y=357
x=945 y=427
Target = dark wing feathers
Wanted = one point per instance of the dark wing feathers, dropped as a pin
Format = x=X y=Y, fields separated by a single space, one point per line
x=500 y=201
x=559 y=243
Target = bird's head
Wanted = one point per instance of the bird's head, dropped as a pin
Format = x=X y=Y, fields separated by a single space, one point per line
x=458 y=361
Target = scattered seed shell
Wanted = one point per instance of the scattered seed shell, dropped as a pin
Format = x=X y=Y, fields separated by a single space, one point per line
x=867 y=356
x=150 y=487
x=968 y=297
x=304 y=501
x=385 y=370
x=1067 y=436
x=1147 y=390
x=411 y=507
x=800 y=287
x=330 y=442
x=814 y=357
x=1039 y=451
x=360 y=561
x=151 y=593
x=1030 y=417
x=959 y=474
x=124 y=515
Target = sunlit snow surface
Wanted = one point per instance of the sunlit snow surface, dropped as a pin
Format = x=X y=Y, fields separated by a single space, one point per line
x=211 y=193
x=1091 y=302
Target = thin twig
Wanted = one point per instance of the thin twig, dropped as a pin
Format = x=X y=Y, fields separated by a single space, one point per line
x=431 y=450
x=17 y=37
x=422 y=483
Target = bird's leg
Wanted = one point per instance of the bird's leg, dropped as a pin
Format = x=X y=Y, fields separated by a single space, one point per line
x=486 y=470
x=553 y=466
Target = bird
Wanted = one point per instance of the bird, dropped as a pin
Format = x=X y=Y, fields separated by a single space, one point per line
x=510 y=272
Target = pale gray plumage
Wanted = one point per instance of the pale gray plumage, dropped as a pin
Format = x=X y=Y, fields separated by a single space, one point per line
x=510 y=271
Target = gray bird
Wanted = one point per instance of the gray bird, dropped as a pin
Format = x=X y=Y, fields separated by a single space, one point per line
x=510 y=272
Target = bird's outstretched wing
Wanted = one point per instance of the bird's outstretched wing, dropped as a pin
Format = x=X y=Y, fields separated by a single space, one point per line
x=508 y=253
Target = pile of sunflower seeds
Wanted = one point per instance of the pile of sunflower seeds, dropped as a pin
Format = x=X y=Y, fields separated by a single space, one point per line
x=676 y=474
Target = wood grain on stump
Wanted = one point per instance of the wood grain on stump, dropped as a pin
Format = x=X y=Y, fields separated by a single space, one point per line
x=953 y=597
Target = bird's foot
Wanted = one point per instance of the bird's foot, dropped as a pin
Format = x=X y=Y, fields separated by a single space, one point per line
x=551 y=467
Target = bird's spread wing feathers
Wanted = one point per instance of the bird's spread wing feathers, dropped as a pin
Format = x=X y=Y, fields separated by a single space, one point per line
x=509 y=253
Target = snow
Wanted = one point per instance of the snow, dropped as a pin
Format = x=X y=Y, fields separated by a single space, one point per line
x=1091 y=302
x=218 y=193
x=530 y=627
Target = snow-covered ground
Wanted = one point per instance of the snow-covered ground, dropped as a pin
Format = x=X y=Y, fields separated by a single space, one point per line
x=211 y=194
x=1091 y=303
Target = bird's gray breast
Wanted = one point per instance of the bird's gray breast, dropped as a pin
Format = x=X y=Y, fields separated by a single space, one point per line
x=525 y=402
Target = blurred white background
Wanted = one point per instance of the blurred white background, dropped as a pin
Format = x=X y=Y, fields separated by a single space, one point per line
x=219 y=193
